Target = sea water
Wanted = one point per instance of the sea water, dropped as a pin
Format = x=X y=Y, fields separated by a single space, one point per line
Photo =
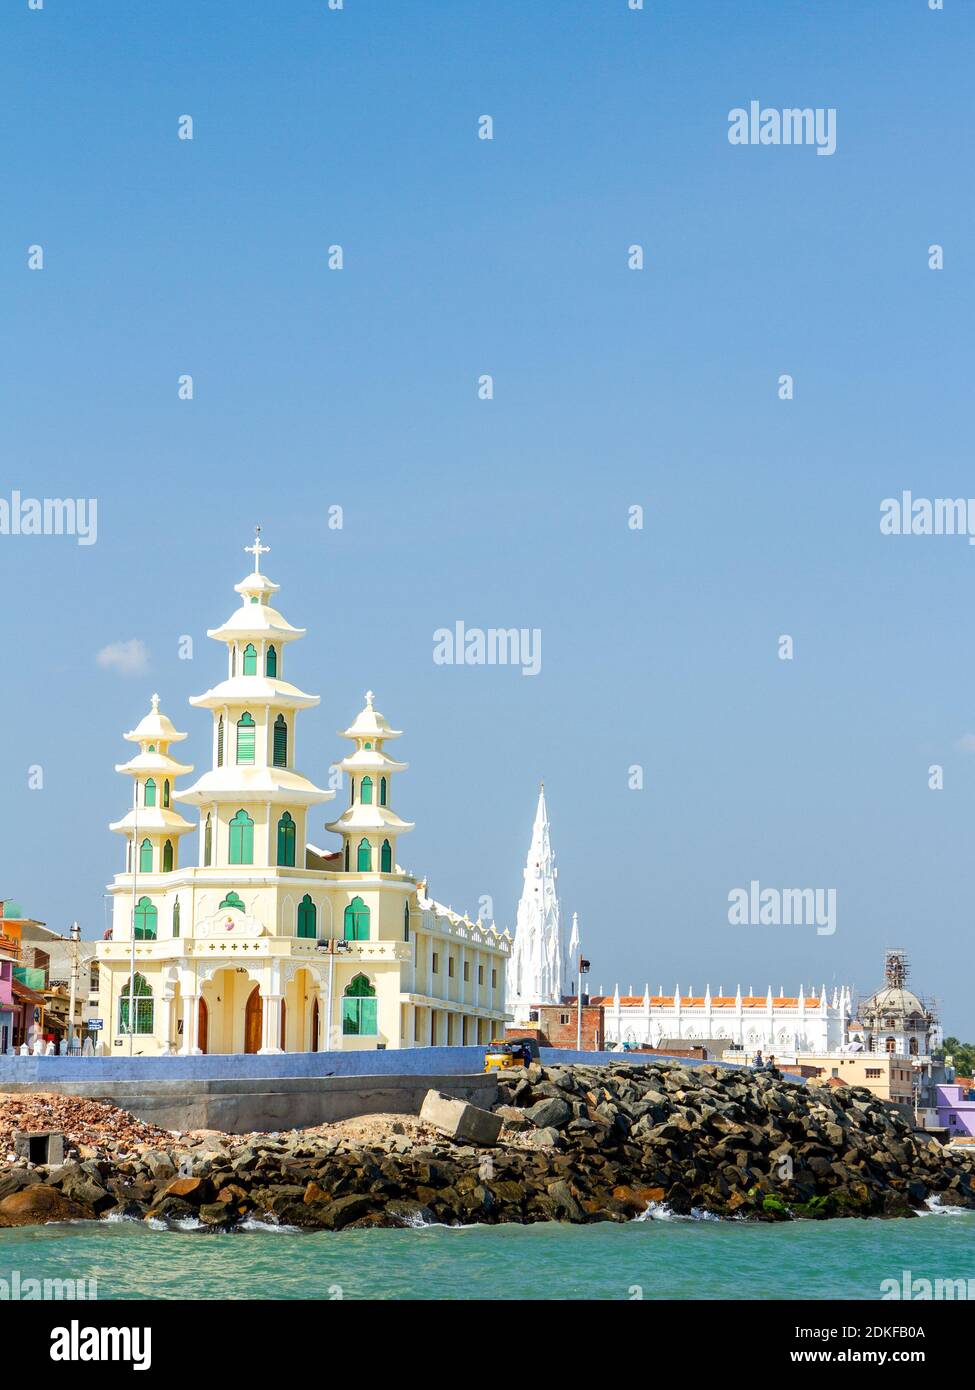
x=657 y=1258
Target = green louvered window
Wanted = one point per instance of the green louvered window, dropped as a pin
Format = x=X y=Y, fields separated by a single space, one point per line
x=364 y=857
x=356 y=921
x=149 y=795
x=280 y=741
x=241 y=839
x=365 y=791
x=271 y=663
x=146 y=920
x=168 y=857
x=386 y=858
x=208 y=842
x=346 y=856
x=145 y=857
x=250 y=660
x=359 y=1011
x=307 y=917
x=176 y=918
x=286 y=841
x=382 y=791
x=245 y=739
x=136 y=991
x=166 y=791
x=220 y=742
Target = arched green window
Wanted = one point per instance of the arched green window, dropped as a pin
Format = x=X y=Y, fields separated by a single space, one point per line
x=168 y=857
x=346 y=856
x=208 y=842
x=365 y=791
x=271 y=663
x=280 y=741
x=382 y=791
x=241 y=839
x=245 y=738
x=176 y=918
x=307 y=917
x=149 y=796
x=136 y=990
x=146 y=919
x=232 y=900
x=286 y=841
x=386 y=858
x=250 y=660
x=359 y=1013
x=364 y=857
x=356 y=921
x=406 y=921
x=220 y=742
x=166 y=794
x=145 y=857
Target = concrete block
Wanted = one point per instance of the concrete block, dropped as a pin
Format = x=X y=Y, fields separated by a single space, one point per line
x=459 y=1119
x=41 y=1146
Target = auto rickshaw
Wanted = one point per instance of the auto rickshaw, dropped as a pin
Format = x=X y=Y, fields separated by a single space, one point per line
x=505 y=1053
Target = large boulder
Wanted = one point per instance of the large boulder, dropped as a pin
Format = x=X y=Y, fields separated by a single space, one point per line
x=459 y=1119
x=38 y=1204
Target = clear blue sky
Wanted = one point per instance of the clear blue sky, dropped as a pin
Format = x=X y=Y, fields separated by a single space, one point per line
x=613 y=387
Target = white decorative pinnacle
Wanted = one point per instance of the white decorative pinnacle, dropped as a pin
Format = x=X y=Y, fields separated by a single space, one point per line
x=257 y=550
x=155 y=704
x=369 y=699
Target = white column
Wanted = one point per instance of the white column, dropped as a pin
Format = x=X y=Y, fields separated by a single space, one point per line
x=191 y=1024
x=271 y=1023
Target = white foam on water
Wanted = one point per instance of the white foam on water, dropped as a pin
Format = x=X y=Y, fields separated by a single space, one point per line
x=660 y=1211
x=935 y=1207
x=270 y=1227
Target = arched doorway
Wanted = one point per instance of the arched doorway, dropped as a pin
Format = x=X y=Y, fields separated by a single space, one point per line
x=253 y=1020
x=202 y=1025
x=314 y=1025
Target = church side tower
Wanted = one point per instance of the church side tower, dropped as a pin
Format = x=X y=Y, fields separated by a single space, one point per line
x=368 y=826
x=253 y=803
x=151 y=823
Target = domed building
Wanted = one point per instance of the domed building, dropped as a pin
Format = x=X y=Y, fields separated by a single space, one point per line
x=894 y=1019
x=268 y=943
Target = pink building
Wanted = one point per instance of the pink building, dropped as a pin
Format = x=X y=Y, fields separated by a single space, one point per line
x=956 y=1108
x=8 y=955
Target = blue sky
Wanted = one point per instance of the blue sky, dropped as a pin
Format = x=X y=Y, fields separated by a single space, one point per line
x=357 y=388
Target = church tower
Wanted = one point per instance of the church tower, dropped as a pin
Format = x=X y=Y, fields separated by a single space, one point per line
x=368 y=825
x=253 y=803
x=151 y=826
x=535 y=969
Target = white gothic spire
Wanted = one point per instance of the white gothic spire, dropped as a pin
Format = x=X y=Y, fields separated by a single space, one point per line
x=535 y=967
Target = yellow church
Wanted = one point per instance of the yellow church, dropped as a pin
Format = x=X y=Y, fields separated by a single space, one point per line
x=267 y=943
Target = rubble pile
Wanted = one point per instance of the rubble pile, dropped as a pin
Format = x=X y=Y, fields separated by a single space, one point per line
x=91 y=1126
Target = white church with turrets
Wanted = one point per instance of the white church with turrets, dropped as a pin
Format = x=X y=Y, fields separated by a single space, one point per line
x=267 y=943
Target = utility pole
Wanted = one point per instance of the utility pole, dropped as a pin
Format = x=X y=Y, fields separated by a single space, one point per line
x=75 y=952
x=135 y=878
x=331 y=945
x=583 y=969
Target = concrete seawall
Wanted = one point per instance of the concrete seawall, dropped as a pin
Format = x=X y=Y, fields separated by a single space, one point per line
x=239 y=1106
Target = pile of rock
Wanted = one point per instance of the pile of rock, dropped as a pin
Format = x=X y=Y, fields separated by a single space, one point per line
x=579 y=1144
x=91 y=1126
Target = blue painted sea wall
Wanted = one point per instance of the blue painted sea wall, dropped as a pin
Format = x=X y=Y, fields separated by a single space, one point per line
x=411 y=1061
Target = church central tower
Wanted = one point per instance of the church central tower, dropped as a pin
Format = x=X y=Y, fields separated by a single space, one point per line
x=253 y=803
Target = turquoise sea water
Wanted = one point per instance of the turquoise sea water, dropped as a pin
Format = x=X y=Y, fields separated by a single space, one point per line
x=663 y=1258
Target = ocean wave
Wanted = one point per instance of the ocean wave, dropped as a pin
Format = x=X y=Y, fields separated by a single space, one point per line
x=935 y=1207
x=660 y=1211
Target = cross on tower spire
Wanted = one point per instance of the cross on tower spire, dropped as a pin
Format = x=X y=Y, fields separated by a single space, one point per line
x=257 y=549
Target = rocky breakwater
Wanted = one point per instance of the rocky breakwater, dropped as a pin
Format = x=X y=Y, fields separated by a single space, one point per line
x=579 y=1144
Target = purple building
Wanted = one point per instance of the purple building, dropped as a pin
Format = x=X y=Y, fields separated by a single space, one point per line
x=956 y=1108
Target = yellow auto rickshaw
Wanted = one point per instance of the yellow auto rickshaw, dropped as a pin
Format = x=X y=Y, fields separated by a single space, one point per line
x=504 y=1053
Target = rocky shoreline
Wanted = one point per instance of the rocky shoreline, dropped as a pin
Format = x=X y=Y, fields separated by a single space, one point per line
x=579 y=1144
